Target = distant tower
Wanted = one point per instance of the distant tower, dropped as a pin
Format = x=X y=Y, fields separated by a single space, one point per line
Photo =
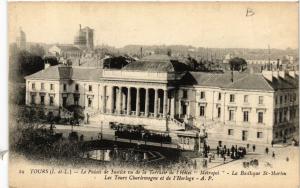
x=84 y=38
x=21 y=40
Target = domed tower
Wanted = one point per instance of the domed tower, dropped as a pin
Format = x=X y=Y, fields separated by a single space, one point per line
x=80 y=39
x=84 y=38
x=21 y=40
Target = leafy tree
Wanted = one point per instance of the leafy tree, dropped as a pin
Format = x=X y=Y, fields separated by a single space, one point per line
x=237 y=64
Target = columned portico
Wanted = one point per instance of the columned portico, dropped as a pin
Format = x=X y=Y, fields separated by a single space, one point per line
x=155 y=102
x=103 y=99
x=147 y=103
x=137 y=108
x=128 y=100
x=119 y=100
x=165 y=105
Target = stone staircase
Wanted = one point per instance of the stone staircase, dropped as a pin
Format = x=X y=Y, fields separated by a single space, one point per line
x=64 y=113
x=174 y=124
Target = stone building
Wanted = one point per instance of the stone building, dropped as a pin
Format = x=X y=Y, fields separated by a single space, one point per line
x=160 y=93
x=84 y=38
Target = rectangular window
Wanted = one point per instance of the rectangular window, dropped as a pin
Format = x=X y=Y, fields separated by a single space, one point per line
x=231 y=97
x=89 y=102
x=285 y=99
x=64 y=101
x=33 y=85
x=230 y=132
x=32 y=99
x=260 y=117
x=281 y=100
x=76 y=87
x=184 y=94
x=246 y=116
x=220 y=96
x=276 y=100
x=285 y=115
x=65 y=87
x=275 y=116
x=231 y=115
x=260 y=100
x=219 y=112
x=51 y=87
x=42 y=100
x=291 y=97
x=259 y=135
x=280 y=116
x=90 y=88
x=295 y=97
x=245 y=98
x=202 y=95
x=42 y=86
x=51 y=102
x=202 y=111
x=76 y=100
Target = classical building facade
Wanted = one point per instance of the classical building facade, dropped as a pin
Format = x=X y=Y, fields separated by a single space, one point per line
x=159 y=93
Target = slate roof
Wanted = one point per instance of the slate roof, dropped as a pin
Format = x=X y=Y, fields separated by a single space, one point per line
x=244 y=81
x=240 y=81
x=65 y=47
x=157 y=63
x=60 y=72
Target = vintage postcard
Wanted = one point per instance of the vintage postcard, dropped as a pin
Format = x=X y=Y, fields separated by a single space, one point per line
x=153 y=94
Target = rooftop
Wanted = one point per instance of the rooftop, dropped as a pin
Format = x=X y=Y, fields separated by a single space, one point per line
x=157 y=63
x=240 y=81
x=61 y=72
x=67 y=47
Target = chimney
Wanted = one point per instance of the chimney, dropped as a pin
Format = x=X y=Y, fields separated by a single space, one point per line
x=46 y=65
x=281 y=74
x=275 y=74
x=267 y=75
x=292 y=74
x=141 y=52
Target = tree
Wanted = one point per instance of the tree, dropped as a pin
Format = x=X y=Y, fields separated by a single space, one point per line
x=237 y=64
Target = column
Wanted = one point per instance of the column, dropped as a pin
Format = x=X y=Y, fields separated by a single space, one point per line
x=137 y=109
x=119 y=104
x=129 y=101
x=123 y=101
x=112 y=99
x=147 y=102
x=165 y=105
x=155 y=102
x=172 y=113
x=103 y=99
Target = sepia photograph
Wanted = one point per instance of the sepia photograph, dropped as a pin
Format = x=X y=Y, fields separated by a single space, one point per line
x=153 y=94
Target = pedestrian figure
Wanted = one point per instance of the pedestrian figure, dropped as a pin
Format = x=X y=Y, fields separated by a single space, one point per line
x=287 y=159
x=224 y=158
x=232 y=149
x=267 y=150
x=272 y=143
x=253 y=148
x=273 y=154
x=218 y=150
x=208 y=149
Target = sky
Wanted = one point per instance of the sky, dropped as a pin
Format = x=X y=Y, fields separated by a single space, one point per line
x=213 y=25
